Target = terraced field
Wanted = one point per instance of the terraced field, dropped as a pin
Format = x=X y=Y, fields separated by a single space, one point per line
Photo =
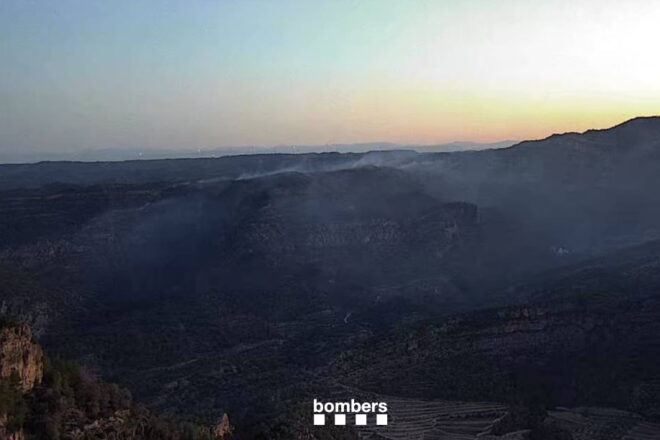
x=604 y=424
x=434 y=420
x=438 y=420
x=417 y=419
x=412 y=419
x=643 y=431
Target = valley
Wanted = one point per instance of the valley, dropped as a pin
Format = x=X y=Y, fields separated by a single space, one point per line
x=462 y=286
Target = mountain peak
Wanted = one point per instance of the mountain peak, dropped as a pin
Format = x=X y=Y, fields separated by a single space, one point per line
x=636 y=123
x=639 y=131
x=632 y=133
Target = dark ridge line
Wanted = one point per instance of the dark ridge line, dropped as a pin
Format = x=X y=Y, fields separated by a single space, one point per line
x=589 y=131
x=403 y=149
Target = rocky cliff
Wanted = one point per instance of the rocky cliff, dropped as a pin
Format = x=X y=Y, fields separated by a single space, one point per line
x=43 y=398
x=19 y=353
x=21 y=369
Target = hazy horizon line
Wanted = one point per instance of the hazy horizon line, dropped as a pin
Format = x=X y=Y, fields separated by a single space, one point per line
x=209 y=153
x=20 y=157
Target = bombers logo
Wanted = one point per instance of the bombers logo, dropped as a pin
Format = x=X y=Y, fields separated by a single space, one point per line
x=360 y=413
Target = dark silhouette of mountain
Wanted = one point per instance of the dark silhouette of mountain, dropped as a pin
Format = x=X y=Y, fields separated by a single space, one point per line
x=250 y=284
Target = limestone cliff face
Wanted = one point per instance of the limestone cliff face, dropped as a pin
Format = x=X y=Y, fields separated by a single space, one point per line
x=86 y=407
x=19 y=352
x=224 y=430
x=281 y=236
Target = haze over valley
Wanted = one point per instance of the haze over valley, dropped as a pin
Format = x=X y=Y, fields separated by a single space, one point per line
x=329 y=220
x=248 y=284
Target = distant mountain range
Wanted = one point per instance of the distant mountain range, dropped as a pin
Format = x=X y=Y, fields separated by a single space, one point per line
x=118 y=154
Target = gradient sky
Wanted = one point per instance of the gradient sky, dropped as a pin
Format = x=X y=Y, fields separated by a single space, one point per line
x=194 y=74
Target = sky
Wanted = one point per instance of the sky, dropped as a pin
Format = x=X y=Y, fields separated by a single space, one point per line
x=202 y=74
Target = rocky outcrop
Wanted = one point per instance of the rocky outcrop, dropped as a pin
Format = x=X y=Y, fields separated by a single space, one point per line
x=59 y=399
x=224 y=430
x=20 y=357
x=19 y=353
